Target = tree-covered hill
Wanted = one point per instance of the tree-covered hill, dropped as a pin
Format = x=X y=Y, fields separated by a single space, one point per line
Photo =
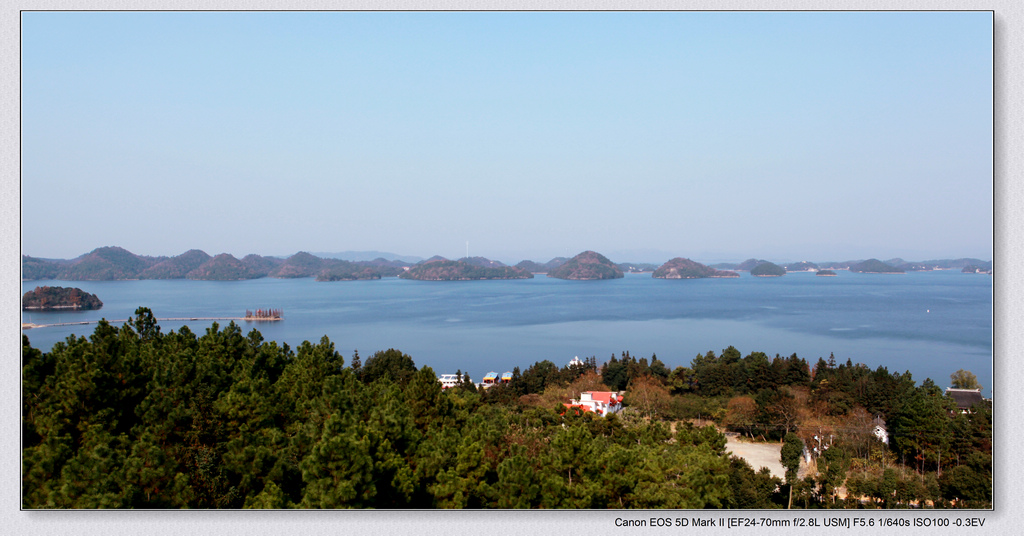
x=34 y=268
x=46 y=298
x=587 y=266
x=301 y=264
x=874 y=266
x=385 y=267
x=261 y=265
x=105 y=264
x=767 y=269
x=176 y=267
x=749 y=264
x=680 y=268
x=444 y=270
x=223 y=267
x=132 y=417
x=482 y=262
x=135 y=418
x=538 y=268
x=338 y=270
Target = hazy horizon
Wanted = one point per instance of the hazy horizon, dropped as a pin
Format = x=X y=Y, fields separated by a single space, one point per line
x=717 y=136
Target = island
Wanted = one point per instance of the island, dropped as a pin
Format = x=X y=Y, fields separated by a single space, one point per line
x=347 y=271
x=537 y=268
x=445 y=270
x=49 y=298
x=587 y=266
x=826 y=273
x=767 y=269
x=874 y=266
x=680 y=268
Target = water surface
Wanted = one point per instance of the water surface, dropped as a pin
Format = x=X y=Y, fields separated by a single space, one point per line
x=928 y=323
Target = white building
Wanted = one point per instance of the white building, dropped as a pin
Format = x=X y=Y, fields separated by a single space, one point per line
x=599 y=402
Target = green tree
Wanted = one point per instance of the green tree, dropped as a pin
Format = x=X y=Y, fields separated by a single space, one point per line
x=391 y=363
x=964 y=379
x=792 y=448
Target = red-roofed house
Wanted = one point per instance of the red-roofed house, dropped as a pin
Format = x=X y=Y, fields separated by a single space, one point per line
x=599 y=402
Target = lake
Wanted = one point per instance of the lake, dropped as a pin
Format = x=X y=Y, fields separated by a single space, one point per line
x=928 y=323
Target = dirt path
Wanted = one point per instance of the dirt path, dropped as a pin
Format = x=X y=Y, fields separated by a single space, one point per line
x=758 y=455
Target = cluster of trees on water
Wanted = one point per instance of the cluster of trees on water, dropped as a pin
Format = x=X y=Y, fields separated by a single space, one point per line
x=46 y=298
x=132 y=417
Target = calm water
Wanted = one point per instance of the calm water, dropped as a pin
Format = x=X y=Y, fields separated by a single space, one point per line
x=930 y=323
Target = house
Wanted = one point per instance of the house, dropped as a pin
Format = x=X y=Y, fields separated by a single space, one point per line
x=576 y=362
x=449 y=380
x=599 y=402
x=965 y=398
x=879 y=430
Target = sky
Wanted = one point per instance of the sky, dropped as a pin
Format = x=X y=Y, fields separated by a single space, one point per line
x=716 y=136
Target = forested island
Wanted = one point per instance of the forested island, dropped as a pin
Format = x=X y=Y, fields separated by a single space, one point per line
x=445 y=270
x=49 y=298
x=875 y=266
x=767 y=269
x=587 y=266
x=114 y=263
x=680 y=268
x=133 y=417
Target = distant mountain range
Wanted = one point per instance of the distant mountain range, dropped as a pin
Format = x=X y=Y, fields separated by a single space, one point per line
x=115 y=263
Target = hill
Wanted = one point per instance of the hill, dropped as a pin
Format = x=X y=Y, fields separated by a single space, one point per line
x=680 y=268
x=223 y=267
x=750 y=264
x=385 y=267
x=301 y=264
x=538 y=268
x=176 y=267
x=874 y=266
x=445 y=270
x=587 y=266
x=107 y=264
x=34 y=268
x=338 y=270
x=482 y=262
x=767 y=269
x=260 y=265
x=45 y=298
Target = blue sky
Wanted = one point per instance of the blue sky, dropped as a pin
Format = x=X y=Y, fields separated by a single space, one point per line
x=645 y=136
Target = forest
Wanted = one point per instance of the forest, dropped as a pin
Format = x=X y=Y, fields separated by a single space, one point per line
x=132 y=417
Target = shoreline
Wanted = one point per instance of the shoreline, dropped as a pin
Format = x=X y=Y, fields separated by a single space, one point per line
x=31 y=325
